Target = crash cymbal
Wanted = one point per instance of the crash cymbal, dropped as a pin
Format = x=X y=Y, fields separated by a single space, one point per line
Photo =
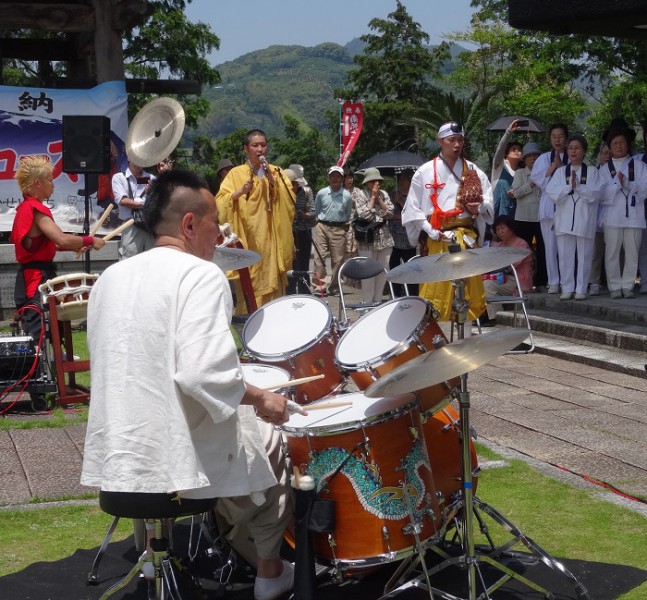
x=448 y=266
x=232 y=259
x=155 y=132
x=445 y=363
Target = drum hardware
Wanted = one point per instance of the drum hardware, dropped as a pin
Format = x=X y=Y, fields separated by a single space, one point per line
x=466 y=507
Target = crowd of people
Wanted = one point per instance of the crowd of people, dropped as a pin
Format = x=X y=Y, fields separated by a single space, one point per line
x=182 y=422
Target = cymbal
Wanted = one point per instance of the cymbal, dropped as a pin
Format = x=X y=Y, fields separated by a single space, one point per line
x=445 y=363
x=448 y=266
x=155 y=132
x=232 y=259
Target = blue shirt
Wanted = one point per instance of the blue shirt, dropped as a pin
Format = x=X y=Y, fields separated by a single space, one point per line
x=333 y=206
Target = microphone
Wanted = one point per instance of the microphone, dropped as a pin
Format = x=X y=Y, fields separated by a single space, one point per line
x=263 y=161
x=296 y=274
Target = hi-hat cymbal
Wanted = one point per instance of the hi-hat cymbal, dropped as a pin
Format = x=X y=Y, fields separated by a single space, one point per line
x=455 y=265
x=232 y=259
x=445 y=363
x=155 y=132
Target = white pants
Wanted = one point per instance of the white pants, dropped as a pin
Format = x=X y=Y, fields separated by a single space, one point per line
x=550 y=244
x=642 y=261
x=373 y=288
x=135 y=241
x=568 y=246
x=616 y=238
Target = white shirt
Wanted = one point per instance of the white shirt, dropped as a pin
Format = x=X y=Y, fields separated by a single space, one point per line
x=540 y=179
x=418 y=207
x=120 y=190
x=576 y=213
x=624 y=206
x=166 y=383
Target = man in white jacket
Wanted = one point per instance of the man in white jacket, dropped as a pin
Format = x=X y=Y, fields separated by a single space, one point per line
x=542 y=172
x=170 y=412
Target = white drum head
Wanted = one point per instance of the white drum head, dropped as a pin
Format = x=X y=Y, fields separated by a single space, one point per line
x=379 y=332
x=362 y=411
x=286 y=326
x=264 y=376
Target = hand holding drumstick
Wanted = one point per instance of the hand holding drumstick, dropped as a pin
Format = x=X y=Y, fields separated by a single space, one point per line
x=98 y=224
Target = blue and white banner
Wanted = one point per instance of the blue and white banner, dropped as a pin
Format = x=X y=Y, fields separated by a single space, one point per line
x=31 y=123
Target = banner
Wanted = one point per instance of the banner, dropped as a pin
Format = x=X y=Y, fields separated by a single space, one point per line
x=352 y=119
x=31 y=123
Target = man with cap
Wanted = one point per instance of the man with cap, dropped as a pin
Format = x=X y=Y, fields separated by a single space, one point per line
x=257 y=200
x=526 y=217
x=223 y=167
x=304 y=220
x=440 y=209
x=333 y=209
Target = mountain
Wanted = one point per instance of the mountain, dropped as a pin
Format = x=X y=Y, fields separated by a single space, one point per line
x=259 y=88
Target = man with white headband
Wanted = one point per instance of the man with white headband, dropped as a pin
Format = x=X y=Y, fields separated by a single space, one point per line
x=447 y=203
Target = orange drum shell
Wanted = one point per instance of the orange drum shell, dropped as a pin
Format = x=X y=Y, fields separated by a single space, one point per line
x=444 y=448
x=429 y=397
x=358 y=533
x=318 y=359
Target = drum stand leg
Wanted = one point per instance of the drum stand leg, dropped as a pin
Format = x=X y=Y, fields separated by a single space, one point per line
x=467 y=510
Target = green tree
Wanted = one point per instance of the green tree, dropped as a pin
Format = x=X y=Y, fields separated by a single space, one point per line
x=306 y=146
x=394 y=79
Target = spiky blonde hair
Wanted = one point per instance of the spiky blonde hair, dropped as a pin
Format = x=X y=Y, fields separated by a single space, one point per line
x=32 y=168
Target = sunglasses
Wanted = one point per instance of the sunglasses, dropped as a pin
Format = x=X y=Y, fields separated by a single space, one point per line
x=455 y=127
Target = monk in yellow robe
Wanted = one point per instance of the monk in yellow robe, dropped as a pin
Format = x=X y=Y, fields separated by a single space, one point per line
x=257 y=200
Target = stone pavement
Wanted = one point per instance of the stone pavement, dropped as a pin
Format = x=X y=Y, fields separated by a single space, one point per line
x=588 y=416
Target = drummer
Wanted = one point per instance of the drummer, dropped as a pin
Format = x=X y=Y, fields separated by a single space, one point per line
x=441 y=207
x=36 y=238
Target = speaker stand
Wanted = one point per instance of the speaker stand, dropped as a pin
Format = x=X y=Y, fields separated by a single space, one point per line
x=86 y=221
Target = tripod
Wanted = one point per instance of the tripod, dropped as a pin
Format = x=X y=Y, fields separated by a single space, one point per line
x=466 y=509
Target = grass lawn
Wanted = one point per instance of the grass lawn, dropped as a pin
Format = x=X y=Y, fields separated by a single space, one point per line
x=566 y=522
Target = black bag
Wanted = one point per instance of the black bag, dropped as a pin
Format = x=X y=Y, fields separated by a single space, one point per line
x=138 y=213
x=365 y=230
x=138 y=218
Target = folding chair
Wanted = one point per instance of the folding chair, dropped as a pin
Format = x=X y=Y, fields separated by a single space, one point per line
x=360 y=268
x=517 y=301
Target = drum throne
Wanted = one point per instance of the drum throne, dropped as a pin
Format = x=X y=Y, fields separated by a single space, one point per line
x=157 y=510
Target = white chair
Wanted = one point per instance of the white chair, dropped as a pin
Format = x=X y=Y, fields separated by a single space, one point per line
x=360 y=268
x=517 y=301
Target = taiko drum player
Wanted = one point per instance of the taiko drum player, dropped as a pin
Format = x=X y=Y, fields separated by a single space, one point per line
x=36 y=238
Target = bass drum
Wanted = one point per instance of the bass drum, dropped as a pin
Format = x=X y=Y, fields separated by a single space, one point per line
x=442 y=433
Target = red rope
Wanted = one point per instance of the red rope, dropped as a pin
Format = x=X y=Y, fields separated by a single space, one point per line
x=602 y=484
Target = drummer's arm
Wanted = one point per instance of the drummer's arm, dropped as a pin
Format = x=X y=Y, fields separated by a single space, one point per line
x=64 y=241
x=269 y=406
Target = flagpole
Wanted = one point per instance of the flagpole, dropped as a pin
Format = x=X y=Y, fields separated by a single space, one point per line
x=341 y=125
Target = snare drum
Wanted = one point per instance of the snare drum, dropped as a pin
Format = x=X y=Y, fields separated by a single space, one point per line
x=71 y=293
x=298 y=334
x=389 y=336
x=366 y=457
x=263 y=376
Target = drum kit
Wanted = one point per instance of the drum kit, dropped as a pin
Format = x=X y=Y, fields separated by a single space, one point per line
x=395 y=459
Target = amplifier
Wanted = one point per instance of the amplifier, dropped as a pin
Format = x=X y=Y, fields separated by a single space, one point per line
x=17 y=355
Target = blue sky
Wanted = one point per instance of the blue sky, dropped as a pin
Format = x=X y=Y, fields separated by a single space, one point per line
x=248 y=25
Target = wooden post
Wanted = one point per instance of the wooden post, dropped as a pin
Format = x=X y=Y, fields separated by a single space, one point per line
x=107 y=44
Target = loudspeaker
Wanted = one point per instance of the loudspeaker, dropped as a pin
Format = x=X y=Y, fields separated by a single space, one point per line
x=86 y=144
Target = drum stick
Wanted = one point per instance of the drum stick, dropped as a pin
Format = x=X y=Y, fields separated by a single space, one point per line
x=293 y=382
x=119 y=229
x=293 y=407
x=98 y=224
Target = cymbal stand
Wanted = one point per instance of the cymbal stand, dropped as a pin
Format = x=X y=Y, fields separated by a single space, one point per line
x=465 y=509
